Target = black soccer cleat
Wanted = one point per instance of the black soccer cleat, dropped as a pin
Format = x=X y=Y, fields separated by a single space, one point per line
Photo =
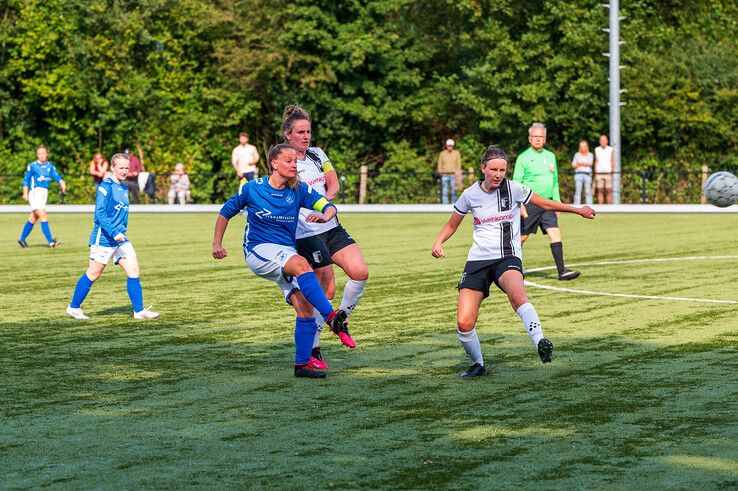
x=303 y=371
x=54 y=243
x=23 y=244
x=475 y=370
x=545 y=350
x=568 y=274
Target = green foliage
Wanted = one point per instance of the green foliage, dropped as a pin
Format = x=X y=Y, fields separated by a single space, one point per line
x=178 y=80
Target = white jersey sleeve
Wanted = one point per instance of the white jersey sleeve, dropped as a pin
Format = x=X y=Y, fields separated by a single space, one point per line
x=462 y=204
x=520 y=193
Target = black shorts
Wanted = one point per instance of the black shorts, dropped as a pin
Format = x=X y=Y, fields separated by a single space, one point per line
x=479 y=275
x=318 y=249
x=537 y=217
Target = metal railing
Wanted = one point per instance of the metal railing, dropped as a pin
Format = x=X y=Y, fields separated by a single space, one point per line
x=375 y=186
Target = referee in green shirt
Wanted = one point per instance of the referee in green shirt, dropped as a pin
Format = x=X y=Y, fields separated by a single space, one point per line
x=536 y=169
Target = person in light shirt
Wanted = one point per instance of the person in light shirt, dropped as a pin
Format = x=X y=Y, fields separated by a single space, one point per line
x=244 y=159
x=604 y=165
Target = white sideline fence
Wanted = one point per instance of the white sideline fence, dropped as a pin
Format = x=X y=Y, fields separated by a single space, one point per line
x=429 y=208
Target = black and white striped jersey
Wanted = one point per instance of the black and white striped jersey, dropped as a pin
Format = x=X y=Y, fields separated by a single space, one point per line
x=496 y=219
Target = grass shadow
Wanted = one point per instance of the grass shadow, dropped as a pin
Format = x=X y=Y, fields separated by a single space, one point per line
x=127 y=309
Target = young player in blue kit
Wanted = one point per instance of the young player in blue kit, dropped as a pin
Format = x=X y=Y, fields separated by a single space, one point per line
x=108 y=240
x=273 y=207
x=36 y=180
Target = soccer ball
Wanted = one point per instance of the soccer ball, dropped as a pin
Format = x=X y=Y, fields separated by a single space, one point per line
x=721 y=189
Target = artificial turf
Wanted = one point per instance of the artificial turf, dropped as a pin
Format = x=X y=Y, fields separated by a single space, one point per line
x=641 y=394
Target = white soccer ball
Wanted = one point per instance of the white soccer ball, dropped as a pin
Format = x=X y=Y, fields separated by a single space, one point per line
x=721 y=189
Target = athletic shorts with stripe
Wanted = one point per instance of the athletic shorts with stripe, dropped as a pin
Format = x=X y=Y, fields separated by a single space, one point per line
x=267 y=261
x=479 y=275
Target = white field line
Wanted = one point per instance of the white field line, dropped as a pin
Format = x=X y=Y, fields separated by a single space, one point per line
x=627 y=295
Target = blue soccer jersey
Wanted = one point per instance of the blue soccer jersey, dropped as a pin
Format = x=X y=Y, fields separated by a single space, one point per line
x=272 y=213
x=40 y=175
x=111 y=214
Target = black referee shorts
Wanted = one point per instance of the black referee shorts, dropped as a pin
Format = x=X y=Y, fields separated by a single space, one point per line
x=537 y=217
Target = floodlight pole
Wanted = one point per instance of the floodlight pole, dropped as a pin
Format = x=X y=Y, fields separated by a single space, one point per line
x=614 y=56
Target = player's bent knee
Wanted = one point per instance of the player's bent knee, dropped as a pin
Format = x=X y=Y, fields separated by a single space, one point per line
x=359 y=274
x=466 y=325
x=297 y=265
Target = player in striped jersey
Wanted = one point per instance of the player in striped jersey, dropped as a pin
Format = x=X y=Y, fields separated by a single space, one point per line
x=273 y=206
x=108 y=241
x=323 y=244
x=496 y=255
x=36 y=181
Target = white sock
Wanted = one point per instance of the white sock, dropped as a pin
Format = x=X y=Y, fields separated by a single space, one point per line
x=318 y=322
x=531 y=322
x=470 y=343
x=351 y=294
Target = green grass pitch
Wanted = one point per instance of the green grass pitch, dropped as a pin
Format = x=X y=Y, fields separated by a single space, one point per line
x=641 y=393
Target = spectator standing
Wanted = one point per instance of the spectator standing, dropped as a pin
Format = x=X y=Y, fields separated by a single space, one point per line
x=536 y=169
x=582 y=163
x=244 y=159
x=179 y=187
x=131 y=181
x=604 y=165
x=98 y=169
x=449 y=164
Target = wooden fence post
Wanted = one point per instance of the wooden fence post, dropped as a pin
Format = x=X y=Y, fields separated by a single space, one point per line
x=364 y=172
x=703 y=200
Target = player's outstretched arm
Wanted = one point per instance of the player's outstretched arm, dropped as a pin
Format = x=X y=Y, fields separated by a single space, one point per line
x=220 y=227
x=547 y=204
x=446 y=232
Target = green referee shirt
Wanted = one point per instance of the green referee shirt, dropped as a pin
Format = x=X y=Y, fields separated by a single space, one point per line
x=538 y=171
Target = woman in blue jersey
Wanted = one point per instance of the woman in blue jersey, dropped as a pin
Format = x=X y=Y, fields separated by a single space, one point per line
x=108 y=241
x=36 y=180
x=323 y=244
x=496 y=255
x=273 y=206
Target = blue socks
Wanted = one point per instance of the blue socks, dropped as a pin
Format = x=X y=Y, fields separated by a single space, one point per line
x=26 y=230
x=304 y=334
x=312 y=291
x=133 y=285
x=80 y=291
x=47 y=231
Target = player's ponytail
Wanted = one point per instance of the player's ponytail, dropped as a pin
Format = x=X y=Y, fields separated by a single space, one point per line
x=293 y=113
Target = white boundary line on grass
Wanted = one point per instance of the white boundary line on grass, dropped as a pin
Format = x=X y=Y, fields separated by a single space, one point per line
x=627 y=295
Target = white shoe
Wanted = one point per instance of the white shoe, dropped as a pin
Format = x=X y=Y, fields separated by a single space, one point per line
x=146 y=314
x=77 y=313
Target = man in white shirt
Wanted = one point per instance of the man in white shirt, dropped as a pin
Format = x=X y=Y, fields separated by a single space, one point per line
x=244 y=159
x=604 y=165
